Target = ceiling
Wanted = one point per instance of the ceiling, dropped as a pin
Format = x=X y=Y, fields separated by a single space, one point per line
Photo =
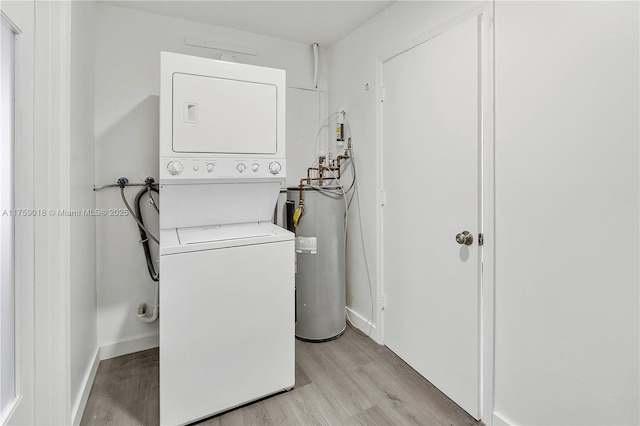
x=322 y=22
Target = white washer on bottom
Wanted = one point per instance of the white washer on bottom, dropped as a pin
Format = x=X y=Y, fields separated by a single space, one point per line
x=227 y=318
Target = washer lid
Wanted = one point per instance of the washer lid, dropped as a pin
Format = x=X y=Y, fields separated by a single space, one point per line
x=198 y=238
x=214 y=233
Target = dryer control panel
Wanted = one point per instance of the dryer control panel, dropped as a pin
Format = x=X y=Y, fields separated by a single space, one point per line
x=181 y=169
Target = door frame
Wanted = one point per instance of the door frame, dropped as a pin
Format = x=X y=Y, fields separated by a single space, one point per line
x=485 y=14
x=21 y=410
x=42 y=240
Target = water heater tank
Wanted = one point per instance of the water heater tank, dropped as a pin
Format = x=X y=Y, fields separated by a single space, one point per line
x=320 y=275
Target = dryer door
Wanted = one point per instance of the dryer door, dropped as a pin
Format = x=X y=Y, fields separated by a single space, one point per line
x=221 y=116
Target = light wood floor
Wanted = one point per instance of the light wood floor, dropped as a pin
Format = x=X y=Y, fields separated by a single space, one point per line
x=348 y=381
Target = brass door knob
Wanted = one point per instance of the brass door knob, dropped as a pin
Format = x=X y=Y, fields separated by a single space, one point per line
x=464 y=238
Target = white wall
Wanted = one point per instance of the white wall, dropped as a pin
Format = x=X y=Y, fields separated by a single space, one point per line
x=567 y=189
x=83 y=304
x=305 y=113
x=352 y=64
x=567 y=186
x=126 y=109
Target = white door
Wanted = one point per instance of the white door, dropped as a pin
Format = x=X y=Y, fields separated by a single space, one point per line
x=431 y=169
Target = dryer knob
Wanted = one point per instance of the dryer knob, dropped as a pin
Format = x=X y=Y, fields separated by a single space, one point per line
x=174 y=168
x=275 y=168
x=241 y=167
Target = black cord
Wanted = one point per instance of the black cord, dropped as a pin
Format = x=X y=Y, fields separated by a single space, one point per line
x=143 y=234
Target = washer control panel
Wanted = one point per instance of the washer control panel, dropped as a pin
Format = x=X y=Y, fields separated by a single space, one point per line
x=221 y=168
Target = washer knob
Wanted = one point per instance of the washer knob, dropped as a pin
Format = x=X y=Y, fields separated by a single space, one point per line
x=241 y=167
x=275 y=168
x=255 y=167
x=210 y=167
x=174 y=168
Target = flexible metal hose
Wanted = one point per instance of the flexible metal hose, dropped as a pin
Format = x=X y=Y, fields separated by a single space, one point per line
x=135 y=217
x=151 y=200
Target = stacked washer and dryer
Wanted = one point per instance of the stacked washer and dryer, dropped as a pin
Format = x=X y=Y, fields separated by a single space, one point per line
x=227 y=296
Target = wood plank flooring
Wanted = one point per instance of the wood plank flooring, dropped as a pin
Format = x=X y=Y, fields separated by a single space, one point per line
x=348 y=381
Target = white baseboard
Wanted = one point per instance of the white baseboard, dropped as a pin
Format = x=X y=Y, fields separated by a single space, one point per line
x=129 y=346
x=361 y=323
x=499 y=420
x=83 y=396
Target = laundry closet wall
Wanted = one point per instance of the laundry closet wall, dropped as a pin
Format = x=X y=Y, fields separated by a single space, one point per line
x=128 y=45
x=566 y=198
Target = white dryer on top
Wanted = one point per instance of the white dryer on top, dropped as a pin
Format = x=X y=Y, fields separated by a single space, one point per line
x=222 y=139
x=220 y=120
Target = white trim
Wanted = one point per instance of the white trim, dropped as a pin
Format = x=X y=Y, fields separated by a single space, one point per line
x=62 y=18
x=11 y=408
x=220 y=46
x=102 y=353
x=24 y=233
x=52 y=169
x=8 y=300
x=440 y=29
x=310 y=89
x=487 y=319
x=379 y=290
x=129 y=346
x=9 y=22
x=83 y=397
x=487 y=290
x=361 y=323
x=22 y=14
x=499 y=420
x=60 y=236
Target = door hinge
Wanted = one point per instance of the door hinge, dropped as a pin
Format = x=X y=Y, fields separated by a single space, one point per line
x=480 y=239
x=382 y=94
x=382 y=302
x=382 y=200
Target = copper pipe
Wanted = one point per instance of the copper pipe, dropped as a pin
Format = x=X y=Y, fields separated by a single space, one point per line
x=321 y=169
x=301 y=191
x=309 y=174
